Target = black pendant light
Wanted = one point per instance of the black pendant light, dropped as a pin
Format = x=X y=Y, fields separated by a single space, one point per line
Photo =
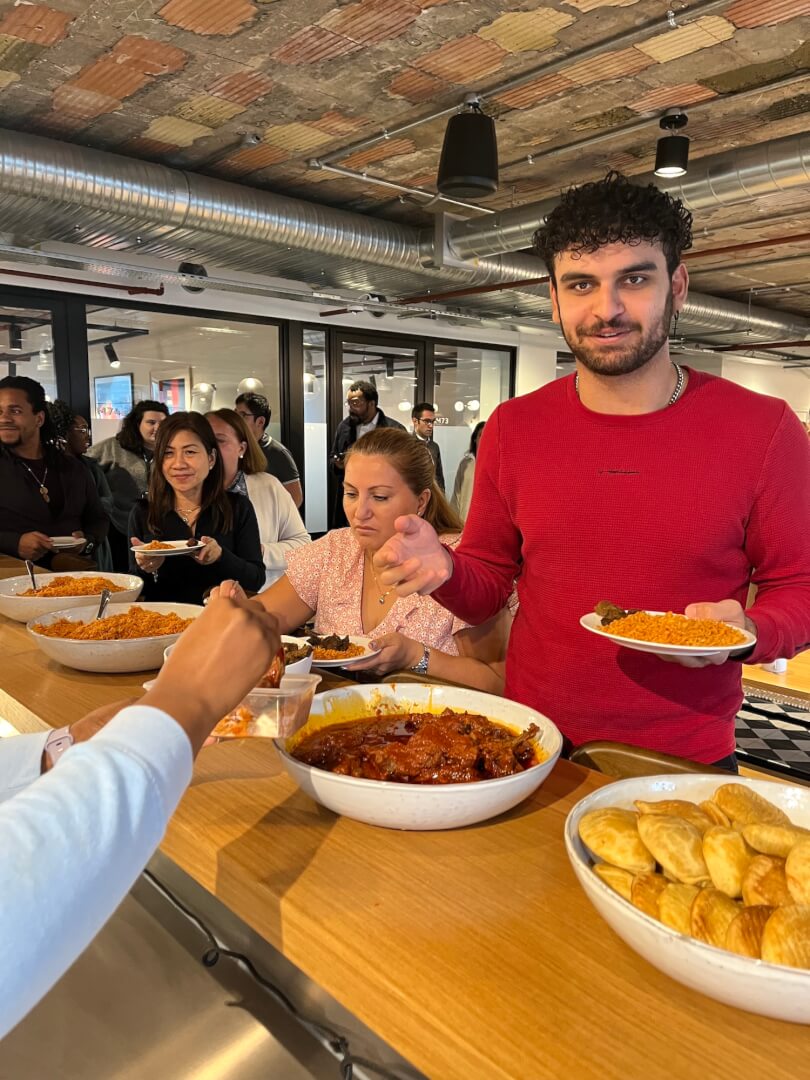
x=672 y=153
x=468 y=168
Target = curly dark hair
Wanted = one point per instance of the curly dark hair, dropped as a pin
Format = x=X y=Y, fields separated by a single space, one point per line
x=129 y=437
x=614 y=211
x=62 y=416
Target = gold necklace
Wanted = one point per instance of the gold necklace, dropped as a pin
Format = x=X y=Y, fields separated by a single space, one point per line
x=186 y=514
x=40 y=483
x=383 y=595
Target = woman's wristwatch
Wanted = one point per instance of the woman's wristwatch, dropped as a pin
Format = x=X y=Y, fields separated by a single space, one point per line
x=55 y=745
x=421 y=666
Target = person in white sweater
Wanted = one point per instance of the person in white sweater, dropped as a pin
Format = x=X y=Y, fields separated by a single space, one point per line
x=75 y=839
x=280 y=526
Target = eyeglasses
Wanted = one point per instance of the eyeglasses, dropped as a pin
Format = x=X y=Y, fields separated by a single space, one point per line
x=81 y=430
x=424 y=420
x=355 y=401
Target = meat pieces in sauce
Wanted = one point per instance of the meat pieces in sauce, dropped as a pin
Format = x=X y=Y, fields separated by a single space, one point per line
x=420 y=748
x=330 y=642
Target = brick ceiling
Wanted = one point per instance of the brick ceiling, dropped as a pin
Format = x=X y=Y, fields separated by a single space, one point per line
x=181 y=81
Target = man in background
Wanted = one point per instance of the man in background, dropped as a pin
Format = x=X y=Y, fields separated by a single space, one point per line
x=424 y=420
x=255 y=411
x=44 y=493
x=364 y=415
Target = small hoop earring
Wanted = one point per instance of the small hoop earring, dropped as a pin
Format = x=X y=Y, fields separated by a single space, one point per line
x=675 y=324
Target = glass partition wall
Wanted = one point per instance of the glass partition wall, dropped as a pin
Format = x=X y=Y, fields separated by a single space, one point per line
x=187 y=361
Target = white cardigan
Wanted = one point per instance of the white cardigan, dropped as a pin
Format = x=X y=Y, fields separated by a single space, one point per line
x=280 y=526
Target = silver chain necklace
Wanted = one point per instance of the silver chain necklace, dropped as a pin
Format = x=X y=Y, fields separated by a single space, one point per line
x=676 y=393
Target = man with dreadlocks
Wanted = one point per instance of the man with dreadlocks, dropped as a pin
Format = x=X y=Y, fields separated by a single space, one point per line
x=636 y=480
x=43 y=491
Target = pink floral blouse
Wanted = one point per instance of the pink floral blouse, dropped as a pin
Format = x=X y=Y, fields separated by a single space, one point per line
x=328 y=576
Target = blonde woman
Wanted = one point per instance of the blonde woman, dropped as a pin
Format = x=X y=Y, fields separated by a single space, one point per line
x=388 y=474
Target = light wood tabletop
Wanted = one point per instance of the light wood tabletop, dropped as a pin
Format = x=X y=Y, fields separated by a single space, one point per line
x=474 y=953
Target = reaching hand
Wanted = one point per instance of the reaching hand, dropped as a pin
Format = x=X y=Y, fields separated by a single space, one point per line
x=728 y=611
x=201 y=681
x=413 y=560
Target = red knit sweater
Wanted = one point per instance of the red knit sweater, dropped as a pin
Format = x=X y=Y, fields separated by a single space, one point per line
x=657 y=512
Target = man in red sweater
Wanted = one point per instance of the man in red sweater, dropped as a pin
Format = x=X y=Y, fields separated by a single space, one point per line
x=636 y=480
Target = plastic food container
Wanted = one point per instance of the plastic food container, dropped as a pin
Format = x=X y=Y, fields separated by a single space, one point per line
x=277 y=713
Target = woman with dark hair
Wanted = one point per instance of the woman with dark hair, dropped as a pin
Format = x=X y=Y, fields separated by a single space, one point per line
x=388 y=474
x=73 y=436
x=465 y=474
x=281 y=529
x=187 y=498
x=126 y=459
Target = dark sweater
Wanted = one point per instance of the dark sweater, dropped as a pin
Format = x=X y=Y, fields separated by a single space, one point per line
x=183 y=580
x=73 y=506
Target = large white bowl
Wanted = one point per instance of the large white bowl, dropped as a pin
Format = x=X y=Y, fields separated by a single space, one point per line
x=769 y=989
x=132 y=654
x=26 y=608
x=420 y=806
x=300 y=667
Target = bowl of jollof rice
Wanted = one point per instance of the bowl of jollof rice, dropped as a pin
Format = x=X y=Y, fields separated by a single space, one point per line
x=130 y=637
x=55 y=592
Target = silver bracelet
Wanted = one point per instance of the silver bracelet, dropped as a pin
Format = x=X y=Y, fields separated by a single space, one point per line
x=421 y=666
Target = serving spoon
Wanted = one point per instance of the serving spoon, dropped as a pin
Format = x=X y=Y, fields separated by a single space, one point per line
x=29 y=566
x=105 y=599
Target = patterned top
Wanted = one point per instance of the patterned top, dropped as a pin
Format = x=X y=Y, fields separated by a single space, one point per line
x=328 y=577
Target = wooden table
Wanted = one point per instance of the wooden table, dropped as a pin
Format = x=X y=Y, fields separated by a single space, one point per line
x=473 y=953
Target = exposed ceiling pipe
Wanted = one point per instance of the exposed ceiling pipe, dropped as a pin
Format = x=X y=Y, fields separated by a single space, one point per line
x=151 y=196
x=45 y=184
x=749 y=245
x=719 y=180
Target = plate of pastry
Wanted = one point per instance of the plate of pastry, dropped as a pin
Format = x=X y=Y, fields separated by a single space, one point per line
x=707 y=879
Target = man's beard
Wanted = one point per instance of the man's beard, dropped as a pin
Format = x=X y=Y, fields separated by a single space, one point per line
x=622 y=359
x=11 y=443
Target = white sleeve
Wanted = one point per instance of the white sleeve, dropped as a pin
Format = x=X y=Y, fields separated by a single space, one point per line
x=74 y=842
x=20 y=762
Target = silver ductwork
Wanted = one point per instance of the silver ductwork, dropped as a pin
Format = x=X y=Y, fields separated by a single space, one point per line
x=722 y=180
x=60 y=192
x=157 y=198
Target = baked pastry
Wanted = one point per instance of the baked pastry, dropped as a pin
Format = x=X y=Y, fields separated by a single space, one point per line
x=644 y=892
x=612 y=835
x=681 y=808
x=744 y=934
x=677 y=845
x=765 y=882
x=774 y=839
x=675 y=906
x=619 y=880
x=727 y=856
x=744 y=806
x=712 y=810
x=786 y=938
x=797 y=872
x=712 y=914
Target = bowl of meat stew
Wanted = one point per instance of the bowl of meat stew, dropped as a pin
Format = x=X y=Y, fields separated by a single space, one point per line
x=420 y=757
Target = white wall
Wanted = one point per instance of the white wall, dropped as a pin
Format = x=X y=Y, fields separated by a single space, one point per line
x=768 y=377
x=537 y=361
